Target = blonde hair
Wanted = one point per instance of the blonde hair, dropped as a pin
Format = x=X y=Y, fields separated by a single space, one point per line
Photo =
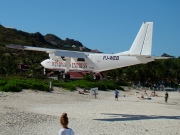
x=64 y=119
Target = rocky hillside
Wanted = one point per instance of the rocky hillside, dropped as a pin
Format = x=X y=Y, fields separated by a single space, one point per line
x=13 y=36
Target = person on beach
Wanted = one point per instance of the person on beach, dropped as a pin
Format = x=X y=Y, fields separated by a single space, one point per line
x=116 y=95
x=145 y=93
x=166 y=97
x=142 y=97
x=154 y=94
x=64 y=122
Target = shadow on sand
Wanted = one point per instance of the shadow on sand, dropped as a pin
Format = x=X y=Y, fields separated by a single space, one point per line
x=127 y=117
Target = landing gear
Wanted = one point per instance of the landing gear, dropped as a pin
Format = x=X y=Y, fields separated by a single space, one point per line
x=45 y=71
x=66 y=76
x=97 y=77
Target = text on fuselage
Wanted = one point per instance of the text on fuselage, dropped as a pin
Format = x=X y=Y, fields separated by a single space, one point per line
x=73 y=65
x=58 y=64
x=110 y=57
x=79 y=65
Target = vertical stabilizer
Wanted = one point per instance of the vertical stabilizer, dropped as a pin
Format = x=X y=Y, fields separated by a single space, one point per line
x=142 y=44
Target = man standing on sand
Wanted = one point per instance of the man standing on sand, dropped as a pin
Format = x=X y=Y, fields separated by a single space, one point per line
x=116 y=94
x=166 y=97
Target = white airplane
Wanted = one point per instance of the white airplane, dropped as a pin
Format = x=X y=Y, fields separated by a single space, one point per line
x=68 y=61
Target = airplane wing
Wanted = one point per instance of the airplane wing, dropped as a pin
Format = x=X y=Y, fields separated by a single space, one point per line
x=57 y=52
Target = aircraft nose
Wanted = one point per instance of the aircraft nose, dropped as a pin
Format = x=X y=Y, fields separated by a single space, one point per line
x=45 y=63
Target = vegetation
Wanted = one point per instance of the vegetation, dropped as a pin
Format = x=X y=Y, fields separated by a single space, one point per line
x=17 y=84
x=166 y=71
x=102 y=85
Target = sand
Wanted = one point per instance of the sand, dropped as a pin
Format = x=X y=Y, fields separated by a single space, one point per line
x=37 y=113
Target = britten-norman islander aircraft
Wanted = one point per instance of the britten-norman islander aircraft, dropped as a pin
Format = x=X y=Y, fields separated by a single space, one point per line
x=70 y=61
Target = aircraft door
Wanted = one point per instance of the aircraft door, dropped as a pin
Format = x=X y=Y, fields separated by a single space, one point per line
x=97 y=59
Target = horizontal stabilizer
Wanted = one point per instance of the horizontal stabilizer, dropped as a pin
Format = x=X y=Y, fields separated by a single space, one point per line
x=147 y=56
x=161 y=58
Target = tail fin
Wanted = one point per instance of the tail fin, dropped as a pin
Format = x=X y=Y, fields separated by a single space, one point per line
x=142 y=44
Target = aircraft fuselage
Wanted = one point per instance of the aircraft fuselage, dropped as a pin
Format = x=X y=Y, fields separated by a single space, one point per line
x=93 y=63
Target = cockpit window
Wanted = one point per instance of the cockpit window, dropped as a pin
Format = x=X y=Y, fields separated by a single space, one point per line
x=80 y=59
x=63 y=58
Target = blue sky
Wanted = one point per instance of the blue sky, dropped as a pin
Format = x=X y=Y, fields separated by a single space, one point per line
x=107 y=25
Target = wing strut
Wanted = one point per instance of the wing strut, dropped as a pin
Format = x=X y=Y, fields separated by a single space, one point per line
x=68 y=64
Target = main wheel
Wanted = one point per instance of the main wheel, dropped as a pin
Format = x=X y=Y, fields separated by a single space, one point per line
x=66 y=76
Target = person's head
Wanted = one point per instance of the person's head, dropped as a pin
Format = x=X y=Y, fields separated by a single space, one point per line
x=64 y=120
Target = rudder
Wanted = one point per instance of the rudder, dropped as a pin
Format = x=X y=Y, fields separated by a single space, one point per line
x=142 y=44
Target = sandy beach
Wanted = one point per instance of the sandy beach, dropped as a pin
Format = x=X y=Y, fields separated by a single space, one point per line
x=37 y=113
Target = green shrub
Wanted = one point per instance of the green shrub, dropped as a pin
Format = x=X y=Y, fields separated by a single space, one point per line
x=88 y=78
x=19 y=84
x=69 y=87
x=11 y=87
x=65 y=85
x=16 y=84
x=2 y=82
x=102 y=85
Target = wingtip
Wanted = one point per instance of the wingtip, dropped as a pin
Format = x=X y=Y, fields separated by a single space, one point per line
x=14 y=46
